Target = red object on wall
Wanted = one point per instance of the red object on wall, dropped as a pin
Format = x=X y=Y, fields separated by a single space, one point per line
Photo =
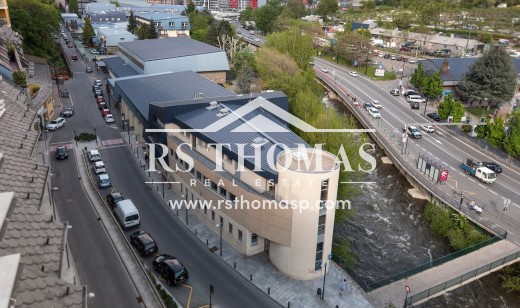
x=253 y=4
x=444 y=175
x=233 y=4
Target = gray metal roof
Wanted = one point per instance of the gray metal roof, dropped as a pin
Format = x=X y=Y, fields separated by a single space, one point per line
x=119 y=67
x=141 y=92
x=166 y=48
x=457 y=67
x=258 y=123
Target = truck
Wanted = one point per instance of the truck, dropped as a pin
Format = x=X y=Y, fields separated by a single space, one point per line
x=476 y=169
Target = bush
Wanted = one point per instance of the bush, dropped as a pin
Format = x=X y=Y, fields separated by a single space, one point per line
x=466 y=129
x=85 y=137
x=34 y=88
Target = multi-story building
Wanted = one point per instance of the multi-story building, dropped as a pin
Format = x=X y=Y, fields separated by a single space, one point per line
x=166 y=24
x=4 y=13
x=242 y=4
x=265 y=188
x=109 y=37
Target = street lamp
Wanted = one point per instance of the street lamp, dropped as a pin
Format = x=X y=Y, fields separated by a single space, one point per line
x=221 y=227
x=461 y=199
x=324 y=277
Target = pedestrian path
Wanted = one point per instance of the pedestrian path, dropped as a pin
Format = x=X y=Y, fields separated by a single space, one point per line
x=258 y=269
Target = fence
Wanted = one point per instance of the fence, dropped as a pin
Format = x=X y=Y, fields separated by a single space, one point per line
x=367 y=287
x=460 y=279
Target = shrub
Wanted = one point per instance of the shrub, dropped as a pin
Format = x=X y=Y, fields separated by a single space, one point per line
x=467 y=128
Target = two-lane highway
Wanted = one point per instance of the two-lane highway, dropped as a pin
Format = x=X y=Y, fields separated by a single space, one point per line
x=441 y=145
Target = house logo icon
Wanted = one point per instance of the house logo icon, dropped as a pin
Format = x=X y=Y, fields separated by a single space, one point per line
x=259 y=123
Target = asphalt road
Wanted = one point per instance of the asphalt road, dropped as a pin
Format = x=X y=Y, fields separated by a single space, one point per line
x=113 y=287
x=441 y=145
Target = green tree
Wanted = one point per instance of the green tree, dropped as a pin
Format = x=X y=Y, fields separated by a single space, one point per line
x=512 y=141
x=142 y=32
x=402 y=20
x=73 y=6
x=450 y=107
x=245 y=78
x=88 y=32
x=246 y=15
x=33 y=20
x=61 y=7
x=327 y=8
x=199 y=35
x=266 y=16
x=492 y=76
x=115 y=2
x=190 y=8
x=19 y=78
x=199 y=25
x=152 y=31
x=295 y=8
x=433 y=86
x=497 y=132
x=243 y=58
x=299 y=47
x=418 y=77
x=132 y=23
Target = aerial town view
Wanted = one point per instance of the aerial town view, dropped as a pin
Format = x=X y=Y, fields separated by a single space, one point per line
x=260 y=153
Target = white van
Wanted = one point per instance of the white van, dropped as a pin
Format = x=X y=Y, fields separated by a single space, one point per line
x=415 y=99
x=127 y=214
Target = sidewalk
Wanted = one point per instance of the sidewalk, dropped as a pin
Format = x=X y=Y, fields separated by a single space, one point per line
x=258 y=268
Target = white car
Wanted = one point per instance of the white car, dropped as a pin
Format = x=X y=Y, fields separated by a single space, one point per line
x=93 y=155
x=393 y=57
x=427 y=128
x=257 y=40
x=55 y=124
x=99 y=167
x=374 y=113
x=415 y=99
x=109 y=118
x=352 y=73
x=380 y=55
x=395 y=92
x=324 y=70
x=413 y=60
x=376 y=104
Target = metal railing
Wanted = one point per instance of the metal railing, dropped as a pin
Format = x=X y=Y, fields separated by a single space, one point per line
x=367 y=287
x=460 y=279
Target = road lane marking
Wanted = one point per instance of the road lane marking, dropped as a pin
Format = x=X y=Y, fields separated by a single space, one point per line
x=189 y=297
x=515 y=204
x=493 y=192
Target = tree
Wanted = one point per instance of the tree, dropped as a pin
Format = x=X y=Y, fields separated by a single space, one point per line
x=246 y=15
x=450 y=107
x=19 y=78
x=327 y=8
x=115 y=2
x=352 y=46
x=142 y=32
x=402 y=20
x=61 y=7
x=497 y=133
x=88 y=32
x=152 y=32
x=266 y=16
x=512 y=141
x=433 y=86
x=296 y=8
x=73 y=6
x=132 y=22
x=245 y=78
x=299 y=47
x=34 y=20
x=418 y=77
x=492 y=77
x=190 y=8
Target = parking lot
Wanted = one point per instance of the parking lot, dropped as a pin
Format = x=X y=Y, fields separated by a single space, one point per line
x=394 y=65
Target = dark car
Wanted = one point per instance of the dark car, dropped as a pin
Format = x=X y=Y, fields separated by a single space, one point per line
x=386 y=56
x=367 y=106
x=399 y=58
x=434 y=116
x=113 y=198
x=493 y=166
x=61 y=153
x=68 y=112
x=88 y=69
x=170 y=269
x=414 y=105
x=144 y=243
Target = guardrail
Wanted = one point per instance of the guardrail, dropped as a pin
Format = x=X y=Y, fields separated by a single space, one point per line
x=460 y=279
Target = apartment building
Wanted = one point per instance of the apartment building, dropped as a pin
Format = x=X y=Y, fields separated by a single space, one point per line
x=267 y=187
x=166 y=24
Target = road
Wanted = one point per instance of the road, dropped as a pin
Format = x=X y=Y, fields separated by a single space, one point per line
x=441 y=145
x=97 y=263
x=112 y=287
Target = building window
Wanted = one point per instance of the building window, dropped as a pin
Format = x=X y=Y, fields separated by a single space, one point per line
x=321 y=224
x=184 y=25
x=230 y=229
x=171 y=152
x=212 y=215
x=221 y=222
x=121 y=38
x=324 y=191
x=231 y=197
x=239 y=237
x=254 y=239
x=171 y=24
x=214 y=186
x=319 y=256
x=223 y=192
x=198 y=175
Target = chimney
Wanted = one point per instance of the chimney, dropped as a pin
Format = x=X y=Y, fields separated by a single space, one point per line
x=445 y=66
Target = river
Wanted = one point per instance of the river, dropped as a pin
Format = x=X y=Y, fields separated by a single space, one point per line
x=389 y=235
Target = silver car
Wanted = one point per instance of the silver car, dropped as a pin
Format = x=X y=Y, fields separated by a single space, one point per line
x=104 y=181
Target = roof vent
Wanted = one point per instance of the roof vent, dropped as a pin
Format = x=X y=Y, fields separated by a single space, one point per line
x=225 y=110
x=212 y=105
x=259 y=141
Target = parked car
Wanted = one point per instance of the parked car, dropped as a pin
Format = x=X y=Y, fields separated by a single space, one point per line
x=98 y=83
x=170 y=269
x=393 y=57
x=95 y=87
x=374 y=113
x=98 y=92
x=104 y=112
x=70 y=45
x=109 y=118
x=88 y=69
x=74 y=57
x=415 y=98
x=413 y=60
x=381 y=55
x=413 y=132
x=386 y=56
x=395 y=92
x=61 y=153
x=55 y=124
x=405 y=59
x=114 y=197
x=93 y=155
x=143 y=243
x=414 y=105
x=367 y=106
x=493 y=166
x=353 y=74
x=99 y=167
x=434 y=116
x=376 y=104
x=399 y=58
x=104 y=181
x=102 y=105
x=408 y=92
x=100 y=98
x=68 y=112
x=427 y=128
